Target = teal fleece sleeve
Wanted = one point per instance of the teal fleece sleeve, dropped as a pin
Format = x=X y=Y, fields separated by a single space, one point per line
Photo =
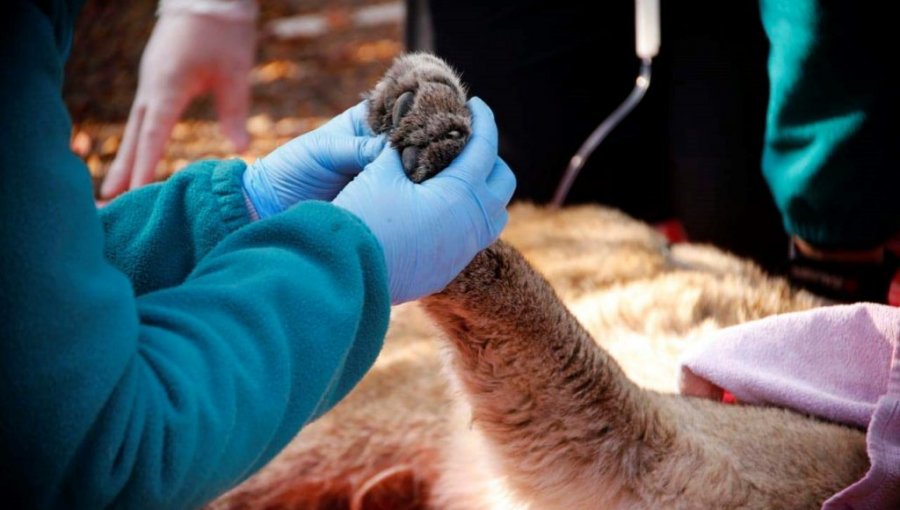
x=158 y=233
x=166 y=396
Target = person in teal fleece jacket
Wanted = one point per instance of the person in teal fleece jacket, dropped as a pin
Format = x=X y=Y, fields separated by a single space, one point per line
x=158 y=351
x=828 y=156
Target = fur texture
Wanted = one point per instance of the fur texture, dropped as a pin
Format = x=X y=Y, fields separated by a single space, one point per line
x=421 y=104
x=533 y=410
x=567 y=429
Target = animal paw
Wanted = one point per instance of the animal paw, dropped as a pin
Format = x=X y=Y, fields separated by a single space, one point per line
x=421 y=104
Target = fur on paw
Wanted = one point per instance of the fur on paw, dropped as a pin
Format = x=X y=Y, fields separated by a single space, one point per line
x=421 y=104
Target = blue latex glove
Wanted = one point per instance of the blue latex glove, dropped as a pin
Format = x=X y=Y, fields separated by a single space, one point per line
x=313 y=166
x=431 y=231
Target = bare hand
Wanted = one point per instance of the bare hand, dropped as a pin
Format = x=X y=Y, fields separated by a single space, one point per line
x=187 y=55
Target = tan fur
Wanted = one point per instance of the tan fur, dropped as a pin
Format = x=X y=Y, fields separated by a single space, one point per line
x=567 y=429
x=534 y=411
x=644 y=304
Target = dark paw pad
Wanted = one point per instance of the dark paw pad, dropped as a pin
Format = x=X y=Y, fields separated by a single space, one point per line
x=421 y=104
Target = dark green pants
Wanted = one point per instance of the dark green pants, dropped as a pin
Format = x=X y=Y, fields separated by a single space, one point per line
x=831 y=149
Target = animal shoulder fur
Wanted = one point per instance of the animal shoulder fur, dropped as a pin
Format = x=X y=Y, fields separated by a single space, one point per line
x=560 y=350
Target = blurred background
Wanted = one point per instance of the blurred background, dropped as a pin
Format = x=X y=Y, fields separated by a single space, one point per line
x=689 y=155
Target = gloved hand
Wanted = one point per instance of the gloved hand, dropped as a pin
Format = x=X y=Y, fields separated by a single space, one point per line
x=195 y=48
x=313 y=166
x=431 y=231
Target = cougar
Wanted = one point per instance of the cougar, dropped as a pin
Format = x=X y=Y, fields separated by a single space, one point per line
x=530 y=409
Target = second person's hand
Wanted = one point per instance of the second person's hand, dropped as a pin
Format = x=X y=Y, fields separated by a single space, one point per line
x=188 y=54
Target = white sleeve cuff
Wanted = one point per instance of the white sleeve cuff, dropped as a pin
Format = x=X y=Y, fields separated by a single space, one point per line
x=231 y=10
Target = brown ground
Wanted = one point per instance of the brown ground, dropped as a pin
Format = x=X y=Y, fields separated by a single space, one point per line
x=298 y=82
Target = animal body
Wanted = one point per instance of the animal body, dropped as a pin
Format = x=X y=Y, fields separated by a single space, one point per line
x=543 y=377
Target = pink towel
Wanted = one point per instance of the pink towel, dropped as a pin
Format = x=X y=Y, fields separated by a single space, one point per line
x=841 y=363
